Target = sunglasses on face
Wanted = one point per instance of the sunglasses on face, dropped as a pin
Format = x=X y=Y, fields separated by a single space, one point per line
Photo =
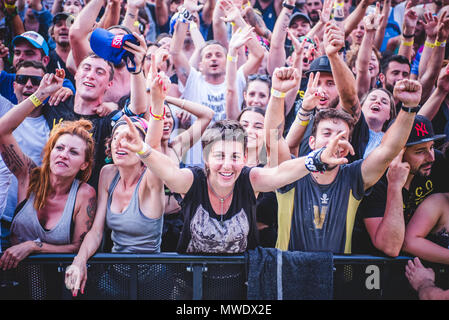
x=23 y=79
x=262 y=77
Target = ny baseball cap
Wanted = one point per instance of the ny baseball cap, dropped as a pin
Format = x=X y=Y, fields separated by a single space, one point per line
x=320 y=64
x=109 y=46
x=35 y=39
x=299 y=15
x=422 y=131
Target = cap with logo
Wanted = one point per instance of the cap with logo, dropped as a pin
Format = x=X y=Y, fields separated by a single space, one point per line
x=109 y=46
x=299 y=15
x=320 y=64
x=35 y=39
x=422 y=131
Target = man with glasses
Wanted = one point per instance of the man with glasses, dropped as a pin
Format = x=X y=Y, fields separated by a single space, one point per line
x=29 y=46
x=31 y=134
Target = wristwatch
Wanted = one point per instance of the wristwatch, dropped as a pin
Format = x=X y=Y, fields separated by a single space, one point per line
x=410 y=109
x=288 y=6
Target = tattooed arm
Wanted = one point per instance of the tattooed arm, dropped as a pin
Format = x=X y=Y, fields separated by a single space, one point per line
x=83 y=216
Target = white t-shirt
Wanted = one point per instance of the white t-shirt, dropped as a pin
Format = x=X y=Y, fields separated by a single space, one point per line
x=198 y=90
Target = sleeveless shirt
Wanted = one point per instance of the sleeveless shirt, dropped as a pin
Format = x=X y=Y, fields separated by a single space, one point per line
x=26 y=225
x=132 y=231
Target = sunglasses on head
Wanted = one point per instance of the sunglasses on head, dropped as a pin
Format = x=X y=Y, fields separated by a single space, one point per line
x=23 y=79
x=262 y=77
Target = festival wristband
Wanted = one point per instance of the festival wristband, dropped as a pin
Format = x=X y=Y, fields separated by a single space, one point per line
x=35 y=100
x=10 y=6
x=303 y=123
x=231 y=58
x=440 y=44
x=429 y=44
x=407 y=43
x=277 y=94
x=145 y=152
x=248 y=4
x=338 y=4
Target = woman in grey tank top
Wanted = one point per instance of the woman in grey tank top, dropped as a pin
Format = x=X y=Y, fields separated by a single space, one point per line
x=54 y=195
x=130 y=198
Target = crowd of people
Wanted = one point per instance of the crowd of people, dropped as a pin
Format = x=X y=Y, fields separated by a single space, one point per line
x=217 y=126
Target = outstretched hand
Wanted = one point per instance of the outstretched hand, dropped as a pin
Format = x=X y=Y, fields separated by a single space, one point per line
x=336 y=151
x=130 y=138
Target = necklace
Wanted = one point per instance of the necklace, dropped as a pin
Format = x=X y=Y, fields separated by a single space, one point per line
x=222 y=200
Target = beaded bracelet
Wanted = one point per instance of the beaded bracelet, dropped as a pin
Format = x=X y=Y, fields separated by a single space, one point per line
x=157 y=116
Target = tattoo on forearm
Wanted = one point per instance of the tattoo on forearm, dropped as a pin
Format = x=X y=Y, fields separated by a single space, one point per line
x=279 y=130
x=91 y=210
x=12 y=158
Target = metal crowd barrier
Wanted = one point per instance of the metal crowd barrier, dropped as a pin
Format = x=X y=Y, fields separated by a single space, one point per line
x=172 y=276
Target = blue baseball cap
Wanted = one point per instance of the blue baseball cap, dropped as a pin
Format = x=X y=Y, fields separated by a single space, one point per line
x=109 y=46
x=35 y=39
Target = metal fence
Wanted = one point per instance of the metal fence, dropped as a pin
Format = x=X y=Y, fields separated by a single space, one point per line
x=171 y=276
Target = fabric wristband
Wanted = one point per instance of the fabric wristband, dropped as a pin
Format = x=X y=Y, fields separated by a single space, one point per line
x=429 y=44
x=35 y=100
x=231 y=58
x=440 y=44
x=9 y=6
x=277 y=94
x=407 y=43
x=313 y=161
x=145 y=152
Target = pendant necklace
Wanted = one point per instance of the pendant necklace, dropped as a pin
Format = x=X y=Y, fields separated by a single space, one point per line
x=222 y=200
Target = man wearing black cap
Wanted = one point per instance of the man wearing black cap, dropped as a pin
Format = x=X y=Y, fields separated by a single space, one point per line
x=59 y=31
x=416 y=173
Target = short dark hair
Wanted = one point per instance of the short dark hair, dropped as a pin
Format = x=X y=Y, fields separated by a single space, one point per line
x=224 y=130
x=332 y=113
x=110 y=64
x=212 y=42
x=30 y=64
x=396 y=57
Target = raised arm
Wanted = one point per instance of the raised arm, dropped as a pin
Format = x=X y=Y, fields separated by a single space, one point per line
x=204 y=115
x=408 y=31
x=433 y=66
x=17 y=162
x=311 y=99
x=138 y=95
x=111 y=16
x=430 y=26
x=433 y=104
x=277 y=54
x=132 y=13
x=344 y=79
x=176 y=179
x=380 y=30
x=180 y=60
x=363 y=78
x=237 y=41
x=162 y=13
x=374 y=166
x=354 y=18
x=283 y=80
x=218 y=25
x=387 y=232
x=80 y=29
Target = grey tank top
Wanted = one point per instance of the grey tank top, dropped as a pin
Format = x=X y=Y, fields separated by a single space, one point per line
x=26 y=225
x=132 y=231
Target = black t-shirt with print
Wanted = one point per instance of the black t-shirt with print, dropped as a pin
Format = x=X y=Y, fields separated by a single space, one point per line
x=206 y=232
x=374 y=205
x=102 y=129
